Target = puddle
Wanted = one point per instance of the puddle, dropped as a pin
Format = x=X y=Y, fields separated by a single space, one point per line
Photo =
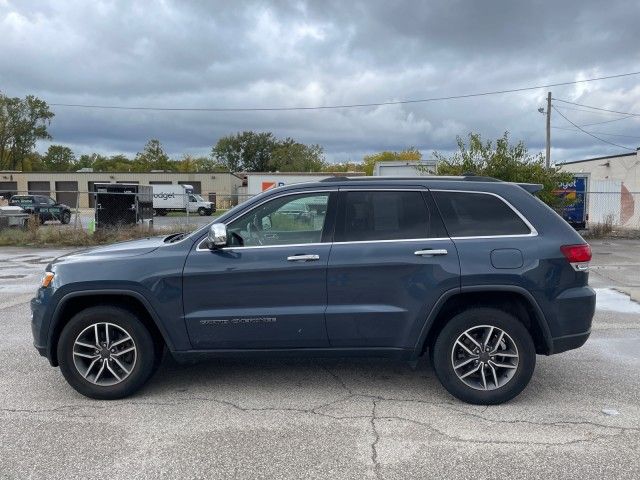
x=614 y=301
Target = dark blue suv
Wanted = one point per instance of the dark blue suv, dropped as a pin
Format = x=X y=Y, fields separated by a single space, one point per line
x=478 y=273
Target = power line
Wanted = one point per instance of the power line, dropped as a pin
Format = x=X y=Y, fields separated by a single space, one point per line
x=597 y=108
x=596 y=112
x=334 y=107
x=598 y=133
x=591 y=134
x=607 y=121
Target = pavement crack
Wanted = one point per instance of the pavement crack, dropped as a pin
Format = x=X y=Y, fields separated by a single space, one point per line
x=376 y=439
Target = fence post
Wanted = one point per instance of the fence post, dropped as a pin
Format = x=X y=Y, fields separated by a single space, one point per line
x=75 y=223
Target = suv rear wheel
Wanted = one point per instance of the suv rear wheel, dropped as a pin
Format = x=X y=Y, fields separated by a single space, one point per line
x=65 y=218
x=484 y=356
x=106 y=352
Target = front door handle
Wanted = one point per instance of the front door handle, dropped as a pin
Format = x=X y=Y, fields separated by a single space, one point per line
x=429 y=252
x=303 y=258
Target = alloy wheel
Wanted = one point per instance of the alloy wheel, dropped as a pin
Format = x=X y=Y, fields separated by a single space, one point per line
x=104 y=354
x=484 y=357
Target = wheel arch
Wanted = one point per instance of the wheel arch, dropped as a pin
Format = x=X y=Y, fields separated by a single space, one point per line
x=510 y=298
x=75 y=302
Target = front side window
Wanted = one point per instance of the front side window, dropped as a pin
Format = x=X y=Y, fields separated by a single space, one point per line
x=291 y=219
x=470 y=214
x=386 y=215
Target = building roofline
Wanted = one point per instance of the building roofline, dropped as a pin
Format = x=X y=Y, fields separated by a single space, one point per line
x=598 y=158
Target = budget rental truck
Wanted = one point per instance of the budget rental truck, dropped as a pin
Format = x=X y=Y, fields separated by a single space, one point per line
x=168 y=198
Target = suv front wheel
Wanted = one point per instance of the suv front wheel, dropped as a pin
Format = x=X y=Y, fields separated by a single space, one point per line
x=106 y=352
x=484 y=356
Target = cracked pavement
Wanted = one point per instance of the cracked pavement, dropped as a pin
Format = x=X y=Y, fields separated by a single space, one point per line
x=326 y=418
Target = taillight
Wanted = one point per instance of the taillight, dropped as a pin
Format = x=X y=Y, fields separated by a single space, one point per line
x=578 y=256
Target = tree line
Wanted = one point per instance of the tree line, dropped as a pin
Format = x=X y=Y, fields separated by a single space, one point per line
x=24 y=121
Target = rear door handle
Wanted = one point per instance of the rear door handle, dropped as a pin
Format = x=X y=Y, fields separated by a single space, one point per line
x=303 y=258
x=429 y=252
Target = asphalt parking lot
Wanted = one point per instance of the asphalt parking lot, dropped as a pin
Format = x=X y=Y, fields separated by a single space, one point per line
x=365 y=418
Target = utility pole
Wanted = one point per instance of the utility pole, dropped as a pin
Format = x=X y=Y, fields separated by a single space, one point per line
x=548 y=156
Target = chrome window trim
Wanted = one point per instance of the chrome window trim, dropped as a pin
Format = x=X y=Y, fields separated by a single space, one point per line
x=199 y=248
x=532 y=230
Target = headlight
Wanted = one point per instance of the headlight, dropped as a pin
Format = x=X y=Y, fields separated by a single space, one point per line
x=47 y=279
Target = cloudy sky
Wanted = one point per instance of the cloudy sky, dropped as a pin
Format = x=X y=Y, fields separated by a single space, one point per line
x=200 y=54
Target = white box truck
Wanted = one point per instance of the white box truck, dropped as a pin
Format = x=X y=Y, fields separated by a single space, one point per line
x=168 y=198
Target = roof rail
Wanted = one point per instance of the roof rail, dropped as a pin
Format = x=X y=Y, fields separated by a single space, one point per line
x=334 y=179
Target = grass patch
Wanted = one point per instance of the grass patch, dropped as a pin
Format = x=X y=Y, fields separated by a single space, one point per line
x=64 y=236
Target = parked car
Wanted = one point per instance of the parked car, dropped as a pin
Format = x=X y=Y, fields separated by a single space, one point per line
x=46 y=208
x=478 y=273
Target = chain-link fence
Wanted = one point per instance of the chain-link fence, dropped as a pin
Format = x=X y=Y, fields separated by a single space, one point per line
x=114 y=205
x=120 y=206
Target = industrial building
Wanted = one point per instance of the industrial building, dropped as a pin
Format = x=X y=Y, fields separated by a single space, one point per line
x=73 y=188
x=613 y=187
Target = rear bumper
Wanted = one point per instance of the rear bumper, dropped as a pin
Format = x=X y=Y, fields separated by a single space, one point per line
x=571 y=323
x=569 y=342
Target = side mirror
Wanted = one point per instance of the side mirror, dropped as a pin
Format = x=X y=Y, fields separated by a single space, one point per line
x=217 y=236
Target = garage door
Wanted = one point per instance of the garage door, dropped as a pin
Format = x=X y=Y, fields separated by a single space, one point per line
x=67 y=193
x=39 y=188
x=8 y=189
x=197 y=186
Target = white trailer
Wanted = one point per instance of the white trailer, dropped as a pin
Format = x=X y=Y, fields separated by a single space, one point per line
x=405 y=168
x=179 y=198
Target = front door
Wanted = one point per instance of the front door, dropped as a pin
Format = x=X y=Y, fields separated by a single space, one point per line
x=268 y=287
x=390 y=263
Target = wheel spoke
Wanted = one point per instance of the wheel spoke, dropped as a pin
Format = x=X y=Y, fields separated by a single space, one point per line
x=485 y=343
x=484 y=378
x=113 y=371
x=106 y=333
x=503 y=365
x=497 y=346
x=95 y=330
x=126 y=350
x=505 y=353
x=470 y=372
x=104 y=362
x=122 y=340
x=86 y=345
x=121 y=366
x=465 y=362
x=473 y=340
x=86 y=374
x=465 y=348
x=84 y=355
x=493 y=372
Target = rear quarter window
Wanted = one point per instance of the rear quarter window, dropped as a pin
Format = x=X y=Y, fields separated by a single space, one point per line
x=472 y=214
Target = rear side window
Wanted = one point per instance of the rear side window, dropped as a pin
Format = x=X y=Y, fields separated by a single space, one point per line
x=469 y=214
x=380 y=215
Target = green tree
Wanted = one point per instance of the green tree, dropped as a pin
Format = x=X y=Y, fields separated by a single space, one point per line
x=291 y=156
x=58 y=159
x=505 y=161
x=247 y=151
x=411 y=154
x=153 y=157
x=22 y=123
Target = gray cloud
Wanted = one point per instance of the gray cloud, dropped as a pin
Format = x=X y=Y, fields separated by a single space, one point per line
x=255 y=53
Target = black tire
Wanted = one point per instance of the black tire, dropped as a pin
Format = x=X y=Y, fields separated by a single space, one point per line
x=442 y=356
x=202 y=211
x=65 y=218
x=147 y=352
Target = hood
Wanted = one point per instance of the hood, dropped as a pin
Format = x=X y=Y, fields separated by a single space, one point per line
x=130 y=248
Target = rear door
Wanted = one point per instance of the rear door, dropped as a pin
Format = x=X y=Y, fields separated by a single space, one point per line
x=390 y=263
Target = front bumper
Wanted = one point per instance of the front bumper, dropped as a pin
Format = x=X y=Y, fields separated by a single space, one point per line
x=569 y=342
x=40 y=320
